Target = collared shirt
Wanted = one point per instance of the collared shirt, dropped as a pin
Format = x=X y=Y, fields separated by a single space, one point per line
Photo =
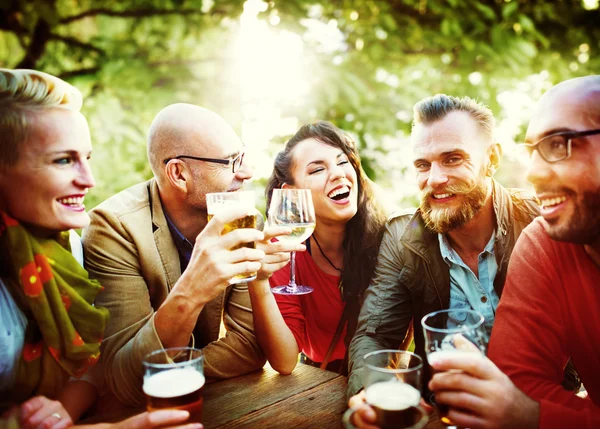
x=466 y=289
x=183 y=245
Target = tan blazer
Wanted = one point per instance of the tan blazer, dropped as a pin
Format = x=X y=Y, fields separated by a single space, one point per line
x=129 y=249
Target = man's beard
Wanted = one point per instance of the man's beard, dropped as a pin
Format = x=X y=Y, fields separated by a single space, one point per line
x=583 y=227
x=443 y=219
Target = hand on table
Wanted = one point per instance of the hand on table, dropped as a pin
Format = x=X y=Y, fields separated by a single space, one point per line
x=277 y=253
x=173 y=419
x=43 y=413
x=480 y=395
x=213 y=264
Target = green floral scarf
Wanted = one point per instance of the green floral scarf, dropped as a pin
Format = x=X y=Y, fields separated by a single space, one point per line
x=56 y=295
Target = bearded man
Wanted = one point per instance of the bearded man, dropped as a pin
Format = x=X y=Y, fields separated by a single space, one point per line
x=453 y=251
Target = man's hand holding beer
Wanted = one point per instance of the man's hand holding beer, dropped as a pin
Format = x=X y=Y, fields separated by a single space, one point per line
x=364 y=416
x=212 y=265
x=479 y=394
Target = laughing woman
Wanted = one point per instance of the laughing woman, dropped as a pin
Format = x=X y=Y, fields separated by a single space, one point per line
x=340 y=256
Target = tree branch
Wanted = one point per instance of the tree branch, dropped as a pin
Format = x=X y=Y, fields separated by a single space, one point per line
x=79 y=72
x=39 y=39
x=136 y=13
x=78 y=43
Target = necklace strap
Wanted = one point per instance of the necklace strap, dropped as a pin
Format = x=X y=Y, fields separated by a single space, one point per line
x=324 y=255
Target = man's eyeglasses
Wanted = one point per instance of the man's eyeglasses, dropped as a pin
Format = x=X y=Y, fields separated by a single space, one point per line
x=557 y=147
x=235 y=162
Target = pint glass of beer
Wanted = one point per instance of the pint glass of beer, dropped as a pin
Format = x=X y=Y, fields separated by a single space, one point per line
x=174 y=378
x=223 y=201
x=392 y=380
x=453 y=331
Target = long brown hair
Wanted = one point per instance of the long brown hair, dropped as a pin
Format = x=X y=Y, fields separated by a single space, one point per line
x=363 y=232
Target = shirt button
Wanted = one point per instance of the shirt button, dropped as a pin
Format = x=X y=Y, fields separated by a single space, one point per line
x=484 y=299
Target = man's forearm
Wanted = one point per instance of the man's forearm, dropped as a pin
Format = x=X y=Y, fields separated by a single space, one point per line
x=175 y=320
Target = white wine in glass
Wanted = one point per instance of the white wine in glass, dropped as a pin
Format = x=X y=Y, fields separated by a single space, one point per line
x=293 y=208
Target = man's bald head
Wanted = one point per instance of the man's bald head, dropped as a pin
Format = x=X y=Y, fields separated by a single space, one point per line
x=584 y=90
x=569 y=188
x=185 y=129
x=570 y=105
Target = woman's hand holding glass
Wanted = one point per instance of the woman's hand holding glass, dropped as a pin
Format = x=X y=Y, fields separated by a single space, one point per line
x=277 y=252
x=293 y=208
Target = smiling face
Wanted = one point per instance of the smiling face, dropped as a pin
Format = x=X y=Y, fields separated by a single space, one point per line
x=330 y=176
x=45 y=188
x=451 y=157
x=569 y=190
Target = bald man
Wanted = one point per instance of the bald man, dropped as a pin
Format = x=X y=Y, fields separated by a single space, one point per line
x=550 y=309
x=164 y=267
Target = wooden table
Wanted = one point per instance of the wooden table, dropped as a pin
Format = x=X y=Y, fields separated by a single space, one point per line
x=307 y=398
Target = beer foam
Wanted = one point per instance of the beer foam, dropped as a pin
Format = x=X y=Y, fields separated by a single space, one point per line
x=173 y=382
x=225 y=206
x=392 y=395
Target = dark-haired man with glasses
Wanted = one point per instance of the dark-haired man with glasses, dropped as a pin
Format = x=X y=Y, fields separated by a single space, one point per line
x=550 y=308
x=164 y=267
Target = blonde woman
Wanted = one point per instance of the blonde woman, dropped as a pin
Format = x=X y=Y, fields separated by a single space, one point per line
x=50 y=331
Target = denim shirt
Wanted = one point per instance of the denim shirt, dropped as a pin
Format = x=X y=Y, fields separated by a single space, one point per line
x=468 y=291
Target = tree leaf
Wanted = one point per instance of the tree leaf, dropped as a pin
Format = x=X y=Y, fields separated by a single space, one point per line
x=509 y=9
x=526 y=23
x=486 y=11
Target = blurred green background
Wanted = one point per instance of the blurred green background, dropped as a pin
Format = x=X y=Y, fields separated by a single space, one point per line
x=269 y=67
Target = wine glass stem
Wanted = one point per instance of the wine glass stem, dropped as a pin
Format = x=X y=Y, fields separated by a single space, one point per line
x=292 y=286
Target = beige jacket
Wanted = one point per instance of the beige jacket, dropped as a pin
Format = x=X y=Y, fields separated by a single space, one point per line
x=129 y=249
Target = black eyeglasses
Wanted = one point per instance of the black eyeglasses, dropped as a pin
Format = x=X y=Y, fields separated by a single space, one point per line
x=556 y=147
x=235 y=162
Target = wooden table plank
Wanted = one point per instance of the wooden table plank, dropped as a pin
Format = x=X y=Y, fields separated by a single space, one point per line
x=234 y=398
x=319 y=407
x=228 y=400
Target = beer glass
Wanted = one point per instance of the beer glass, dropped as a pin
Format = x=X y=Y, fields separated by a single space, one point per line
x=293 y=208
x=453 y=331
x=392 y=381
x=223 y=201
x=174 y=378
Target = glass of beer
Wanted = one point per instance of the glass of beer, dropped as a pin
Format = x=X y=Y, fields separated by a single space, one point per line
x=293 y=208
x=223 y=201
x=392 y=380
x=174 y=378
x=453 y=331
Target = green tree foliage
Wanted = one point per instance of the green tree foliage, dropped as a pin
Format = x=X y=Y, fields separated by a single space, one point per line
x=133 y=57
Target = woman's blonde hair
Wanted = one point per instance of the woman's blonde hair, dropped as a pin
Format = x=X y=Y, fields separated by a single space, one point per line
x=22 y=93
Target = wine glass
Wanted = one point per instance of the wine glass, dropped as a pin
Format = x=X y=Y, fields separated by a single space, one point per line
x=293 y=208
x=453 y=331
